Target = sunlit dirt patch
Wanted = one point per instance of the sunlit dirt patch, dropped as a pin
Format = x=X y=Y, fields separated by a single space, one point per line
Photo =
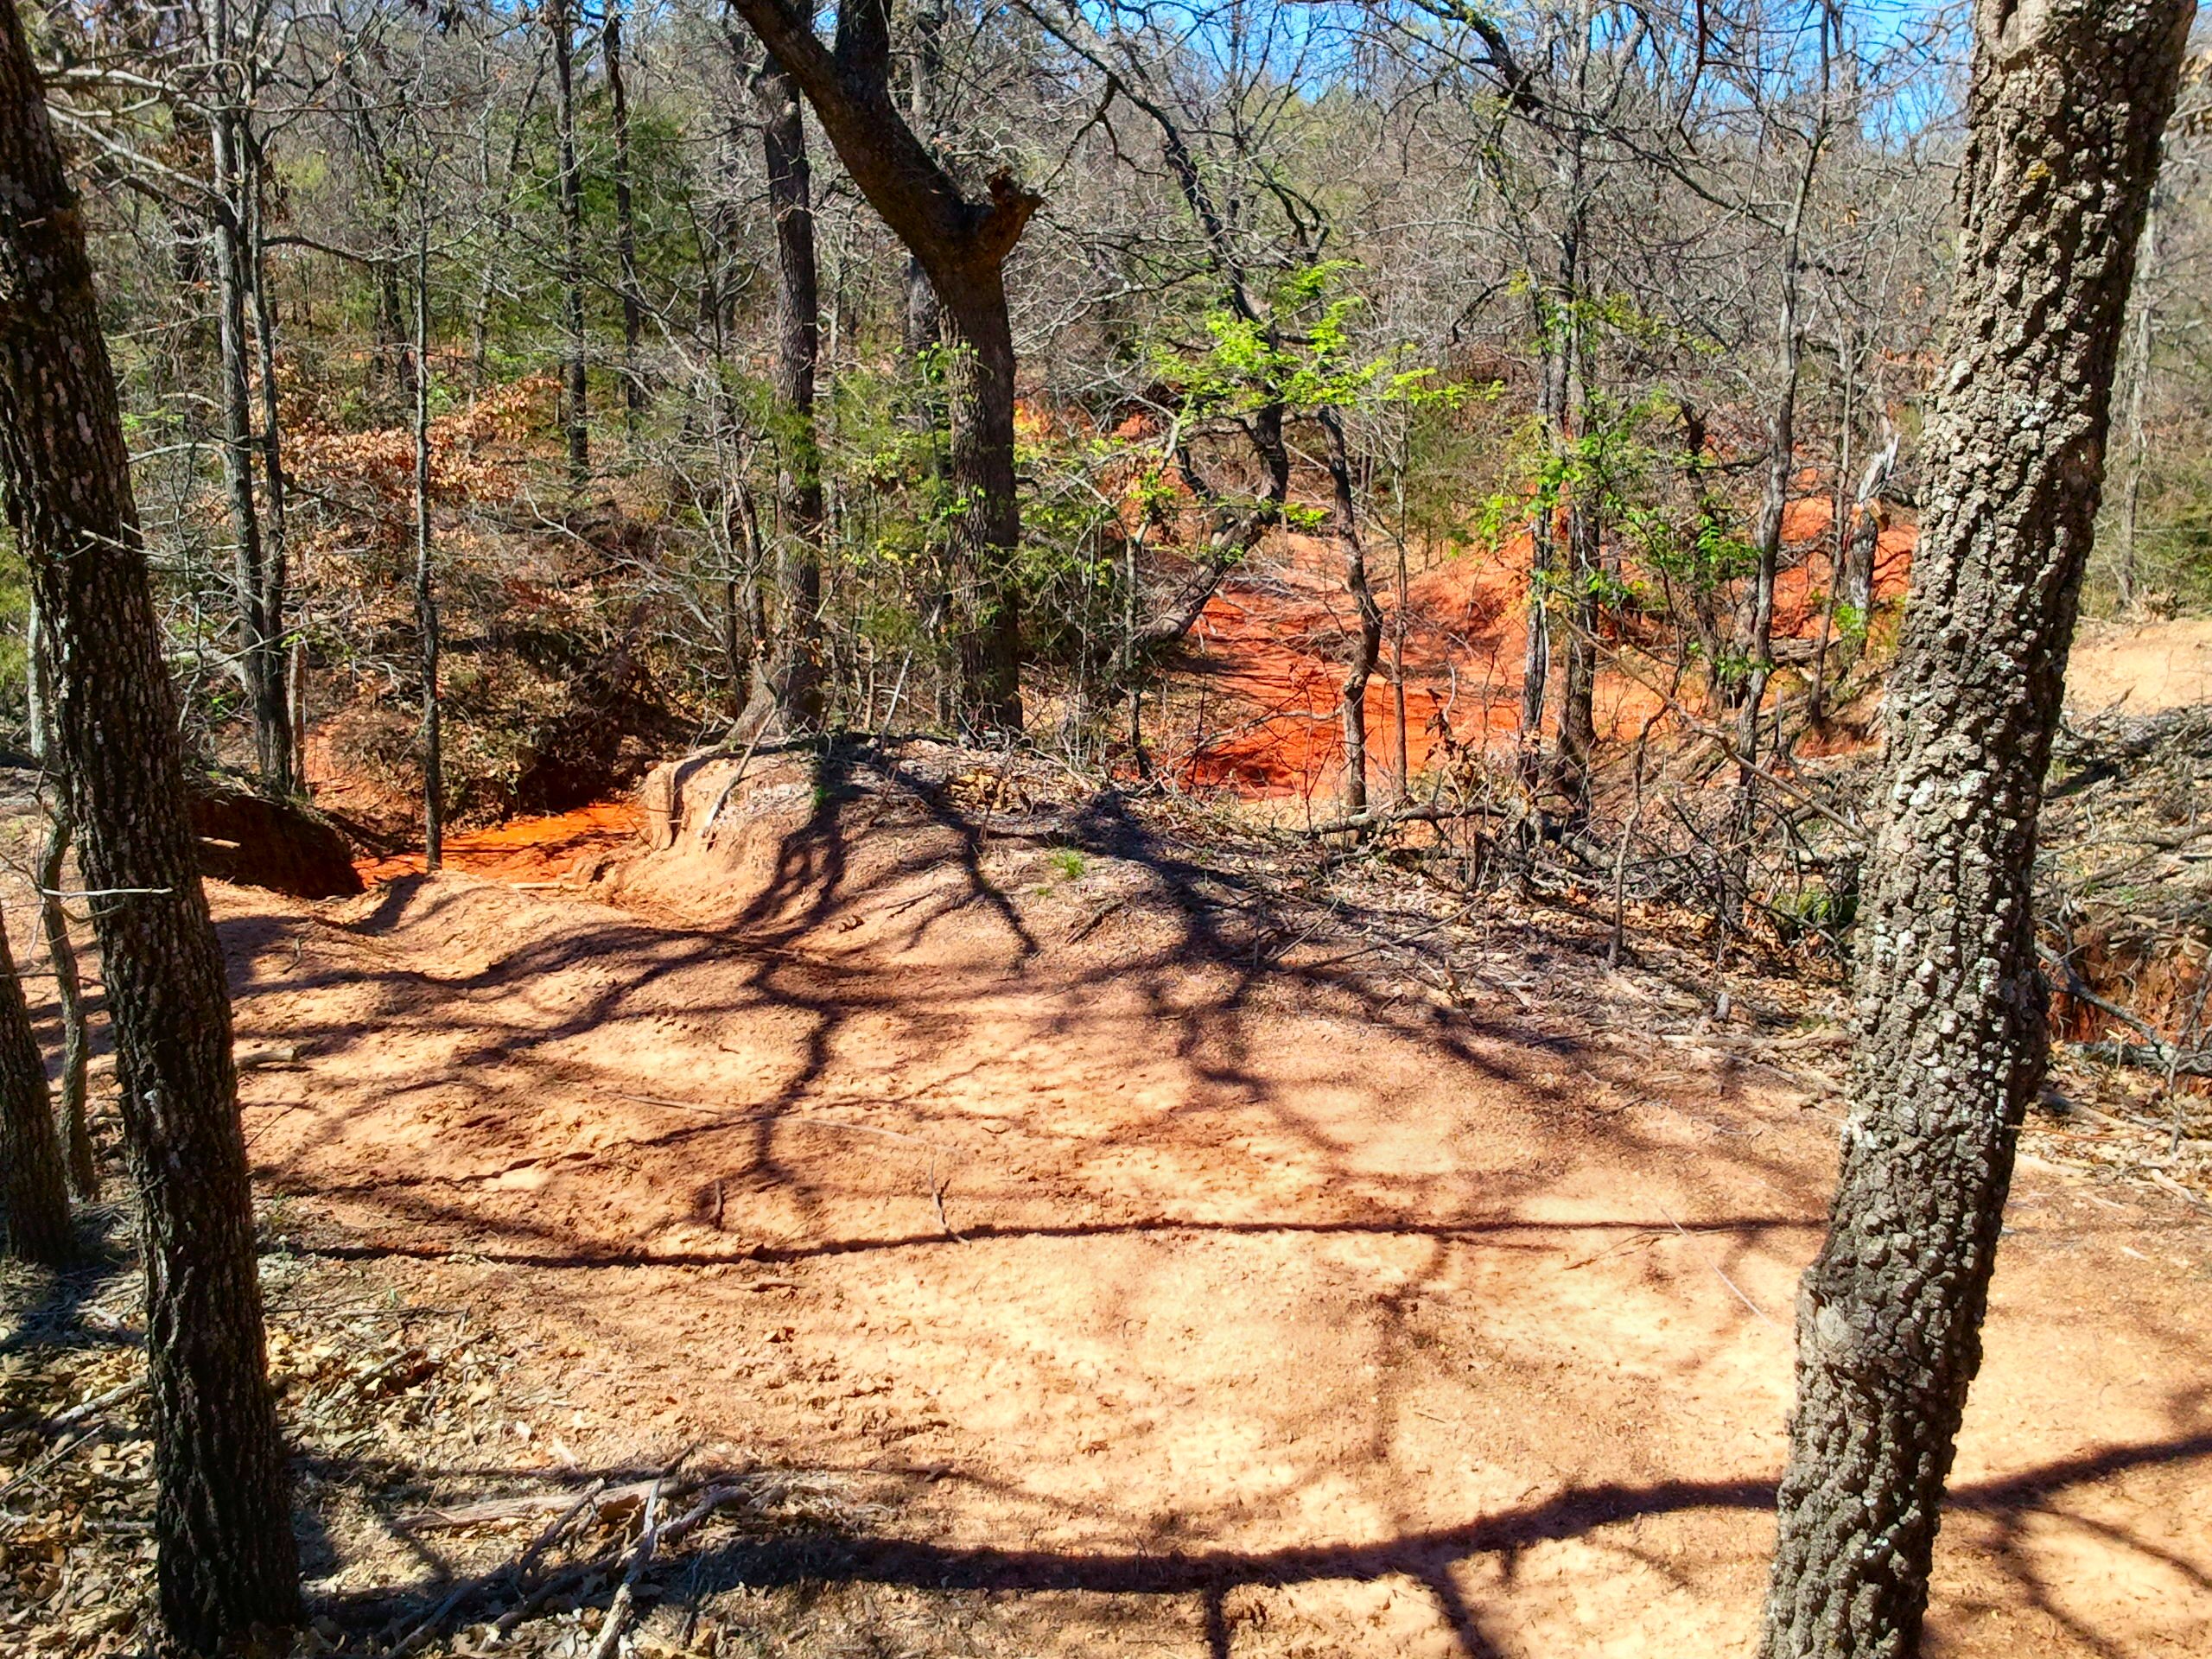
x=558 y=846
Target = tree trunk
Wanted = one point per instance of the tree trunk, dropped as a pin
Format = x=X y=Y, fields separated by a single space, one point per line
x=1756 y=640
x=1577 y=721
x=2127 y=574
x=222 y=1520
x=1367 y=644
x=1543 y=534
x=261 y=641
x=32 y=1181
x=625 y=229
x=924 y=318
x=2069 y=99
x=426 y=596
x=795 y=669
x=284 y=769
x=61 y=949
x=575 y=403
x=1865 y=547
x=986 y=529
x=82 y=1160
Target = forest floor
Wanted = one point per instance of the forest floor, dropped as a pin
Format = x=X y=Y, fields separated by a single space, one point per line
x=1039 y=1237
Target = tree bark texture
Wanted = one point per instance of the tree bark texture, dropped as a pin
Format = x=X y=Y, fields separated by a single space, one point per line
x=794 y=664
x=2069 y=100
x=32 y=1182
x=226 y=1557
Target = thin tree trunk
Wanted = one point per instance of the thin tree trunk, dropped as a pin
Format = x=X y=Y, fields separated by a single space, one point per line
x=1848 y=354
x=82 y=1158
x=795 y=670
x=964 y=243
x=281 y=664
x=1367 y=644
x=225 y=1559
x=2069 y=99
x=426 y=597
x=68 y=983
x=1405 y=767
x=924 y=317
x=2128 y=575
x=33 y=1184
x=1757 y=640
x=626 y=229
x=1578 y=722
x=1705 y=523
x=261 y=665
x=575 y=410
x=1865 y=548
x=1543 y=533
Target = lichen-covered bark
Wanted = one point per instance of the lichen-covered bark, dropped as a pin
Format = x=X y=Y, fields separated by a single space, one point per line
x=222 y=1514
x=2070 y=98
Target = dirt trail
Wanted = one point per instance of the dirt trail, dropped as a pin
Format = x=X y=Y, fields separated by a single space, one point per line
x=1201 y=1304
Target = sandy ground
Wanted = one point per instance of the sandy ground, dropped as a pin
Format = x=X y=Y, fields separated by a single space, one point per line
x=1187 y=1305
x=2141 y=668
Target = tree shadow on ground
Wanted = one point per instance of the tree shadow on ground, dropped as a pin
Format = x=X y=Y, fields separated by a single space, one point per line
x=1217 y=954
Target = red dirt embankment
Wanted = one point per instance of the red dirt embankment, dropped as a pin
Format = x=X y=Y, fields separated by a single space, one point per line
x=540 y=849
x=1272 y=642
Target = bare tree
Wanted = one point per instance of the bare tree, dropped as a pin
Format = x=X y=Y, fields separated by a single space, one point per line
x=793 y=665
x=626 y=225
x=963 y=242
x=2069 y=99
x=575 y=385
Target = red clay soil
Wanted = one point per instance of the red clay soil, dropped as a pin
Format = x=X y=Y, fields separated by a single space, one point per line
x=535 y=849
x=1271 y=644
x=1191 y=1306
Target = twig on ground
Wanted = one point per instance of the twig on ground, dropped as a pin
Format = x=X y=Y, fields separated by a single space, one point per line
x=1733 y=1285
x=85 y=1409
x=617 y=1610
x=48 y=1462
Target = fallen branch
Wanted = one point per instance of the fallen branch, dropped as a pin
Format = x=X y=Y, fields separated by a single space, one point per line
x=85 y=1409
x=34 y=1470
x=522 y=1507
x=617 y=1610
x=1419 y=812
x=2149 y=1056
